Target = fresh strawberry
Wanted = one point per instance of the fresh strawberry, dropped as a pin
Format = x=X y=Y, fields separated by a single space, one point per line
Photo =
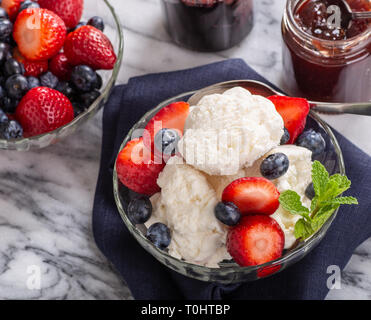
x=39 y=33
x=268 y=271
x=137 y=168
x=11 y=7
x=69 y=10
x=90 y=46
x=60 y=66
x=294 y=112
x=33 y=68
x=43 y=110
x=253 y=195
x=172 y=116
x=255 y=240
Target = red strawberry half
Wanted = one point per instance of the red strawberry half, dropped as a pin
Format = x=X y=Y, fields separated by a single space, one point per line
x=90 y=46
x=137 y=169
x=33 y=68
x=253 y=195
x=294 y=112
x=255 y=240
x=39 y=33
x=69 y=10
x=172 y=116
x=11 y=7
x=60 y=67
x=43 y=110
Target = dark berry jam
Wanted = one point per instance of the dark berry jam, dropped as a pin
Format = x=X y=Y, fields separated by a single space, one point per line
x=312 y=16
x=323 y=63
x=208 y=25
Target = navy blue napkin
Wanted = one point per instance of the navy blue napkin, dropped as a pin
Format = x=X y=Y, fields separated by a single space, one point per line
x=147 y=278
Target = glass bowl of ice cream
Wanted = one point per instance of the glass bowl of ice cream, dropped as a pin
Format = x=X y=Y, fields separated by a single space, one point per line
x=213 y=208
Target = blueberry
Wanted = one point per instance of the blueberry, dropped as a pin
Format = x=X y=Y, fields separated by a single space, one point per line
x=28 y=4
x=78 y=108
x=66 y=89
x=227 y=213
x=96 y=22
x=33 y=82
x=140 y=210
x=84 y=78
x=6 y=105
x=9 y=105
x=5 y=52
x=9 y=40
x=166 y=140
x=12 y=66
x=6 y=29
x=3 y=117
x=309 y=191
x=80 y=24
x=16 y=86
x=3 y=14
x=313 y=141
x=2 y=93
x=159 y=235
x=98 y=84
x=23 y=70
x=11 y=130
x=274 y=166
x=49 y=80
x=286 y=137
x=89 y=97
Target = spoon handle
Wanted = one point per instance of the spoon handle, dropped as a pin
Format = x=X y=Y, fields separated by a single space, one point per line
x=361 y=15
x=362 y=108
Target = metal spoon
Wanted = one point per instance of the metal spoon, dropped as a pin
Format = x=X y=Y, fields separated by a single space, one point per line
x=347 y=15
x=260 y=88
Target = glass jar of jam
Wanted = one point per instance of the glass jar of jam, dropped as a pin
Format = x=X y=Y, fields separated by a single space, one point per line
x=208 y=25
x=324 y=61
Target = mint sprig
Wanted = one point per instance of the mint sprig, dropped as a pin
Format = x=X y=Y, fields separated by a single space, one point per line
x=327 y=199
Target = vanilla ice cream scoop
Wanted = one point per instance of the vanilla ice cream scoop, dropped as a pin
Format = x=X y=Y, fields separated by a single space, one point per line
x=297 y=178
x=229 y=131
x=186 y=205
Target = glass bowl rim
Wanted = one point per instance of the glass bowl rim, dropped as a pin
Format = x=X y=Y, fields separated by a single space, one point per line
x=96 y=104
x=306 y=245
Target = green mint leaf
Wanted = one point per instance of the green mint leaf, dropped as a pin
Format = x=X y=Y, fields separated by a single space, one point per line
x=343 y=200
x=323 y=215
x=327 y=199
x=314 y=204
x=331 y=191
x=342 y=182
x=320 y=178
x=291 y=202
x=303 y=229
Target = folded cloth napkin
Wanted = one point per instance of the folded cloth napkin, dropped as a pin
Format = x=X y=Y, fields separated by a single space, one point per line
x=145 y=276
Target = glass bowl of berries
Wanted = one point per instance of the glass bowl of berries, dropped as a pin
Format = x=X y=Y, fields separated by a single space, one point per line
x=59 y=64
x=236 y=187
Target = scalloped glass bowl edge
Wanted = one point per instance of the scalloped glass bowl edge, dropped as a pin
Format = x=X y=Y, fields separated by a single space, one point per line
x=228 y=273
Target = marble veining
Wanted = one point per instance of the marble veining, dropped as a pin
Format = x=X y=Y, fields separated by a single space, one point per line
x=46 y=196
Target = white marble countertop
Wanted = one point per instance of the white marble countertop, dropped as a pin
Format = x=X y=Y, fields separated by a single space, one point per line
x=46 y=196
